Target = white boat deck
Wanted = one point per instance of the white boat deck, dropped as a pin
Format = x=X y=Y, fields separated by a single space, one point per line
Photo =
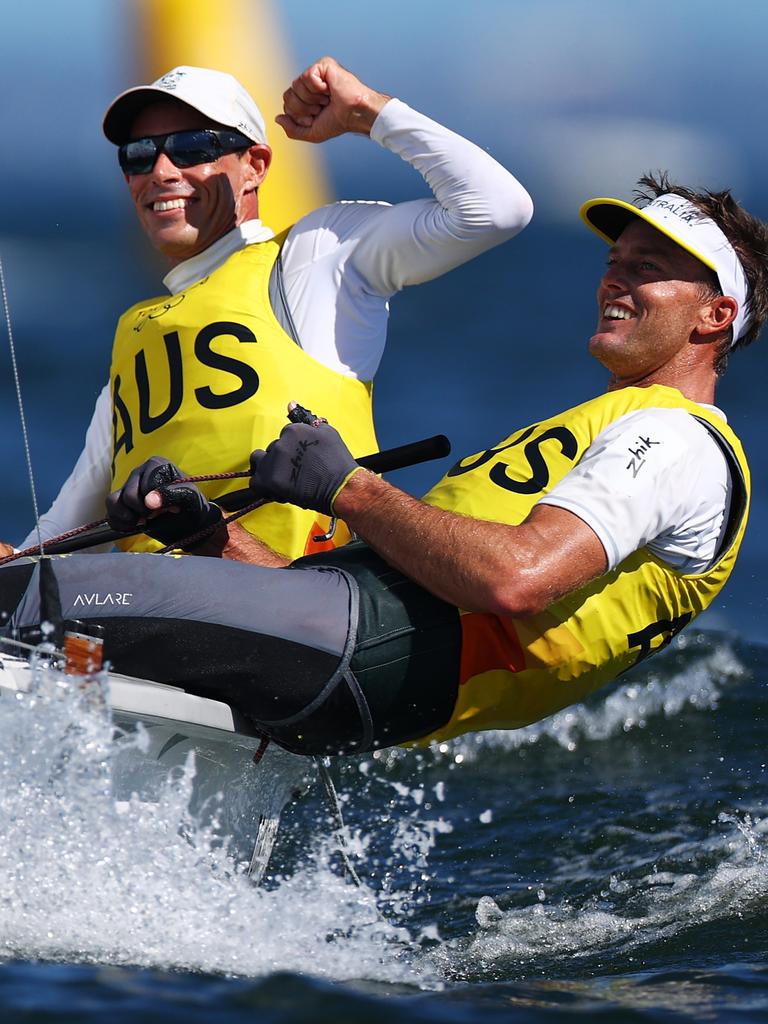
x=143 y=698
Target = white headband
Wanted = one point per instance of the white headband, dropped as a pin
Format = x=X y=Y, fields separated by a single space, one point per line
x=693 y=231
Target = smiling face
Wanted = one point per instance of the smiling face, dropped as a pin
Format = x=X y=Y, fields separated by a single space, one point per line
x=184 y=210
x=654 y=301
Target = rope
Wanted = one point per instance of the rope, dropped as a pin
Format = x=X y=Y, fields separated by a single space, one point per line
x=296 y=414
x=209 y=530
x=39 y=549
x=341 y=829
x=20 y=403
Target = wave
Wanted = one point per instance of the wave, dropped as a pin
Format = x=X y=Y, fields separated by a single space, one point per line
x=509 y=866
x=89 y=878
x=626 y=918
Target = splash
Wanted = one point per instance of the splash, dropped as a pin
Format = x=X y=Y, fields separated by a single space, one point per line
x=626 y=914
x=86 y=877
x=92 y=874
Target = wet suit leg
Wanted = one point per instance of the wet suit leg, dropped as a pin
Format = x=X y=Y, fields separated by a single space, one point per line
x=321 y=658
x=407 y=653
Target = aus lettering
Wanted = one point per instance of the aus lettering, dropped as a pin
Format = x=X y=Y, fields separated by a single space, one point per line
x=656 y=636
x=158 y=401
x=526 y=472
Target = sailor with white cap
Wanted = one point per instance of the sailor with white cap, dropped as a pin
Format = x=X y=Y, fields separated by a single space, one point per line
x=255 y=320
x=216 y=94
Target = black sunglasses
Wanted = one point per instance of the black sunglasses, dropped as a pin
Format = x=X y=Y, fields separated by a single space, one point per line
x=183 y=149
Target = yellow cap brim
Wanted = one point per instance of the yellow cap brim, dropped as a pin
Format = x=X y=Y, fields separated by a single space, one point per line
x=608 y=218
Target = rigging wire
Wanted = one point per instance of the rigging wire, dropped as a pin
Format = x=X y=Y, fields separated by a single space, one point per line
x=322 y=764
x=20 y=404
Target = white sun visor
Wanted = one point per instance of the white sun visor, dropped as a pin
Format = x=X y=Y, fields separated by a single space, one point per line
x=685 y=224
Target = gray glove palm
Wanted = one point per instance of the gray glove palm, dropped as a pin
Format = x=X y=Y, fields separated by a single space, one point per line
x=306 y=466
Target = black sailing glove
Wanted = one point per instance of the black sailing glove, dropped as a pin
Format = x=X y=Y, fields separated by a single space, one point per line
x=127 y=511
x=306 y=466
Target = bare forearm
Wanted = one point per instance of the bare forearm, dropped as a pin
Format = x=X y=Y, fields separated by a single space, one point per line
x=399 y=528
x=480 y=566
x=445 y=553
x=241 y=546
x=473 y=563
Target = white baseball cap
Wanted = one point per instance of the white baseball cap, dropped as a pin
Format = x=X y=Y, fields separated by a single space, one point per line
x=214 y=93
x=686 y=224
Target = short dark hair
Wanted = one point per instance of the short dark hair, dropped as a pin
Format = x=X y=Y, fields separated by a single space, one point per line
x=747 y=234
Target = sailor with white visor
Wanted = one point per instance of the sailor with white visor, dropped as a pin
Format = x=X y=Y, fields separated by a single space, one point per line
x=686 y=224
x=676 y=478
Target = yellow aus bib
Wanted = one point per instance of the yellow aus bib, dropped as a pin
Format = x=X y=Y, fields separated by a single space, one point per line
x=517 y=671
x=204 y=377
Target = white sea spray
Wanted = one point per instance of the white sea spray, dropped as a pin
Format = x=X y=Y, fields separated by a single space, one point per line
x=85 y=877
x=629 y=914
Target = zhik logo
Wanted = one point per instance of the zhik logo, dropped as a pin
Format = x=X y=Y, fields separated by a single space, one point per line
x=298 y=458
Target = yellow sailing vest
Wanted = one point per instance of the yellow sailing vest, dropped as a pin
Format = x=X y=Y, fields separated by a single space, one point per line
x=204 y=377
x=517 y=671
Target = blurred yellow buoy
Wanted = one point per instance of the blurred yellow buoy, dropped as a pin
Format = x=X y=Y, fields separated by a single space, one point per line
x=243 y=37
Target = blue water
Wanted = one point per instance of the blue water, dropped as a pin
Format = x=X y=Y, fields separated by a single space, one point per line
x=611 y=861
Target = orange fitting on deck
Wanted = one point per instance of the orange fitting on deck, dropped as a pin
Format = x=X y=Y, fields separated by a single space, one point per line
x=83 y=655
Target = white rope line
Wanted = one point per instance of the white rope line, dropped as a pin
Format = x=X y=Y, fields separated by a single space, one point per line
x=19 y=402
